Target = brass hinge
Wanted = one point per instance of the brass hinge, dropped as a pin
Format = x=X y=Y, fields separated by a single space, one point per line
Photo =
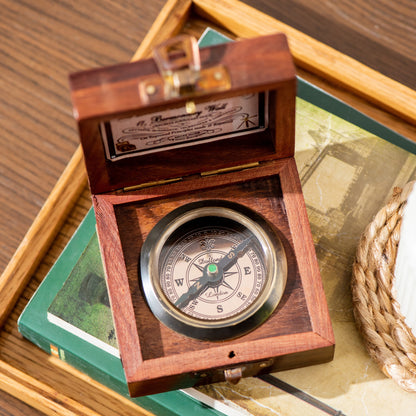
x=202 y=174
x=149 y=184
x=230 y=169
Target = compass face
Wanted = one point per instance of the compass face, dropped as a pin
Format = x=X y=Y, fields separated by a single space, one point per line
x=186 y=258
x=213 y=270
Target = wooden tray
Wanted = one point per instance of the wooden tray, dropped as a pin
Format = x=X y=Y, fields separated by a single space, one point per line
x=63 y=390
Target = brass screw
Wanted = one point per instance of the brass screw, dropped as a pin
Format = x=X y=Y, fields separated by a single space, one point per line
x=190 y=107
x=150 y=89
x=217 y=75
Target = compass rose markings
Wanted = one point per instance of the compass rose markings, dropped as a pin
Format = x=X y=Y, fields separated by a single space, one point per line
x=213 y=274
x=226 y=274
x=224 y=283
x=200 y=268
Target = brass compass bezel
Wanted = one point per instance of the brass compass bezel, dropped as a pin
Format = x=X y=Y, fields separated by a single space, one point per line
x=275 y=266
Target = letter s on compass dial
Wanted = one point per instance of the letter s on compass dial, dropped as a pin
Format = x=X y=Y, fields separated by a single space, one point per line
x=213 y=270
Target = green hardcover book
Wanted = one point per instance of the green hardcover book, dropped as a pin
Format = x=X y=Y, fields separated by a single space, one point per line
x=86 y=339
x=82 y=306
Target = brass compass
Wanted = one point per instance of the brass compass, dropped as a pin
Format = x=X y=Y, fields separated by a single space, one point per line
x=213 y=270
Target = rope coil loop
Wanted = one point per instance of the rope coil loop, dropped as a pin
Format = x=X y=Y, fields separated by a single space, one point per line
x=388 y=339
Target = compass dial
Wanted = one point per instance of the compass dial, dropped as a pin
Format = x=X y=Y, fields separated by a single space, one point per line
x=213 y=270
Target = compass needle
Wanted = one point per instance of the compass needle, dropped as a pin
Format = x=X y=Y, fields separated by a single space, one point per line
x=234 y=254
x=193 y=292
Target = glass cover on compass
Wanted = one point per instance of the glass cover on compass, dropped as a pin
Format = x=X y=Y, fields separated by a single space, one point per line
x=213 y=270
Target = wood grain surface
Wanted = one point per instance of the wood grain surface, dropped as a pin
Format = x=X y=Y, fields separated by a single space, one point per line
x=41 y=42
x=379 y=33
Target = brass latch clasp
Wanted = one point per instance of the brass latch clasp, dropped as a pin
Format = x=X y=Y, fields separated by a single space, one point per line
x=181 y=75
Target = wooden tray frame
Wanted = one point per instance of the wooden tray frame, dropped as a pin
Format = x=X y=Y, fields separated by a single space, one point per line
x=367 y=90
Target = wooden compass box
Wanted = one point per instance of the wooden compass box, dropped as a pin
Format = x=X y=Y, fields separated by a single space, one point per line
x=154 y=139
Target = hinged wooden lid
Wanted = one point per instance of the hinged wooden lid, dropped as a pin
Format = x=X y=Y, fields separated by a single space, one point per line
x=185 y=112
